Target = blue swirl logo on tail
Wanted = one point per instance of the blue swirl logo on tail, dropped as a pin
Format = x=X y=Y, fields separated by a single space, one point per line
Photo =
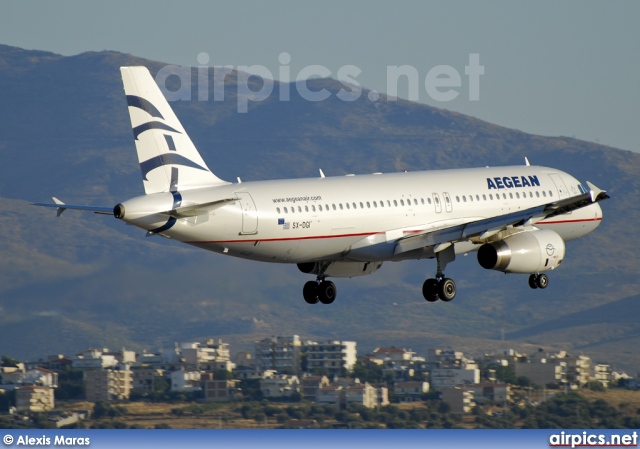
x=166 y=159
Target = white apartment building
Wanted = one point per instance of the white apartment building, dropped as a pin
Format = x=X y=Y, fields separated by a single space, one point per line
x=108 y=384
x=451 y=377
x=331 y=357
x=281 y=354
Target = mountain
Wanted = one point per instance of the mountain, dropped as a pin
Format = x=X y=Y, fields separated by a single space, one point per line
x=84 y=280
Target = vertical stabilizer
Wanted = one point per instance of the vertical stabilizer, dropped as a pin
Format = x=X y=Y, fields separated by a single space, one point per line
x=168 y=159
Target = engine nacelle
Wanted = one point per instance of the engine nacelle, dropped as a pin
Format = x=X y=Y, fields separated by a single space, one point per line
x=527 y=252
x=340 y=269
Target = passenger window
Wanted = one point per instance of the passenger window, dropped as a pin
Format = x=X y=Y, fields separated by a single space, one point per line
x=320 y=207
x=341 y=206
x=395 y=203
x=437 y=200
x=306 y=208
x=368 y=205
x=504 y=196
x=471 y=198
x=415 y=202
x=402 y=202
x=464 y=198
x=429 y=200
x=510 y=195
x=348 y=207
x=389 y=203
x=422 y=200
x=300 y=209
x=477 y=197
x=457 y=199
x=278 y=209
x=537 y=194
x=490 y=196
x=446 y=198
x=286 y=211
x=484 y=197
x=375 y=204
x=544 y=194
x=550 y=193
x=313 y=208
x=518 y=195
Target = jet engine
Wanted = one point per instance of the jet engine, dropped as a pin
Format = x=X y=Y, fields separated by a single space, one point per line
x=340 y=269
x=526 y=252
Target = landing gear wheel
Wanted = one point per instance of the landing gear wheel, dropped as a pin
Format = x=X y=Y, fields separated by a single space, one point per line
x=543 y=281
x=326 y=292
x=430 y=290
x=310 y=292
x=533 y=281
x=447 y=289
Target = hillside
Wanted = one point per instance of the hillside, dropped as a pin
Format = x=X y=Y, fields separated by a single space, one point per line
x=84 y=280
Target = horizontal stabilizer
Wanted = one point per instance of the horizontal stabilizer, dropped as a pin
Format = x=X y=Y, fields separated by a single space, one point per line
x=61 y=207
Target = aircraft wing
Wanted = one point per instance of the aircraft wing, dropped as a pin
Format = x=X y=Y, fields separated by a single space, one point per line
x=484 y=228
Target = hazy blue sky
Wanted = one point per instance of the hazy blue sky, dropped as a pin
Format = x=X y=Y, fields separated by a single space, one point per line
x=554 y=68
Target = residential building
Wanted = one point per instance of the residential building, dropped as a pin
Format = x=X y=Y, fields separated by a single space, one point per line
x=144 y=378
x=209 y=356
x=220 y=390
x=185 y=380
x=362 y=394
x=542 y=371
x=332 y=357
x=602 y=373
x=281 y=354
x=34 y=399
x=310 y=386
x=460 y=399
x=278 y=386
x=450 y=377
x=108 y=384
x=490 y=392
x=329 y=395
x=394 y=354
x=410 y=391
x=94 y=359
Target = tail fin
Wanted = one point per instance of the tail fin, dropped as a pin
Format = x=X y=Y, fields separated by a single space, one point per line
x=168 y=159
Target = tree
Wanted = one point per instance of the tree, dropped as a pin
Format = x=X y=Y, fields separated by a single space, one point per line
x=8 y=362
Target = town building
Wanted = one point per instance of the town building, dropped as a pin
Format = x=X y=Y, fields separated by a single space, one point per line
x=280 y=354
x=278 y=386
x=460 y=399
x=34 y=399
x=410 y=391
x=108 y=384
x=220 y=390
x=333 y=357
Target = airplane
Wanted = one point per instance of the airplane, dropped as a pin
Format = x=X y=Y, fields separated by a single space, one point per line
x=517 y=218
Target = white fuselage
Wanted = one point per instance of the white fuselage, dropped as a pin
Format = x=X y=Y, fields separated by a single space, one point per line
x=360 y=217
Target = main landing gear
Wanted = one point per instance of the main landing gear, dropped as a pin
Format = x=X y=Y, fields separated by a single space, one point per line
x=538 y=280
x=319 y=290
x=441 y=287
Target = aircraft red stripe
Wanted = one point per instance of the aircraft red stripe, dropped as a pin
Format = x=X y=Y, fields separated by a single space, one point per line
x=364 y=234
x=569 y=221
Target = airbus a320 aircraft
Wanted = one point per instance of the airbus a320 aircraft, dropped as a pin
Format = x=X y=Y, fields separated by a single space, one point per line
x=517 y=218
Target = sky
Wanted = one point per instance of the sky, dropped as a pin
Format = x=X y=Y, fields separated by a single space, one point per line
x=551 y=68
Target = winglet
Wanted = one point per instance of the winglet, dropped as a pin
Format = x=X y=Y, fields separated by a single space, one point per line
x=526 y=161
x=596 y=193
x=59 y=210
x=321 y=173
